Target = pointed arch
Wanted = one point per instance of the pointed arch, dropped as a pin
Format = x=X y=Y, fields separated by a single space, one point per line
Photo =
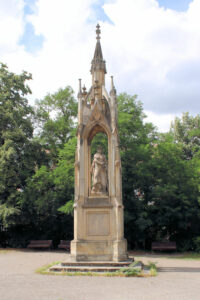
x=95 y=127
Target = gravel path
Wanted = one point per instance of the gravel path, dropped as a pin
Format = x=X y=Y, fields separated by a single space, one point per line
x=177 y=280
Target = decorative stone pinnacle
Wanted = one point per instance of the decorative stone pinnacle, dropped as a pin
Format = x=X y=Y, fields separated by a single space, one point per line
x=98 y=31
x=113 y=90
x=80 y=86
x=84 y=90
x=98 y=64
x=112 y=83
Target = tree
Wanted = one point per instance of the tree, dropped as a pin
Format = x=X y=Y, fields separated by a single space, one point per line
x=136 y=139
x=160 y=172
x=15 y=132
x=56 y=119
x=19 y=154
x=160 y=184
x=47 y=202
x=48 y=199
x=173 y=207
x=186 y=130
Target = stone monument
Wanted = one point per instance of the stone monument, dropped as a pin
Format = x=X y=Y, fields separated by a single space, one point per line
x=98 y=208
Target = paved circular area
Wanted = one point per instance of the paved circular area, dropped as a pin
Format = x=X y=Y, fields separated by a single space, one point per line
x=177 y=280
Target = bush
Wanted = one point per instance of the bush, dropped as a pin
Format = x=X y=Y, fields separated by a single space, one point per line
x=196 y=242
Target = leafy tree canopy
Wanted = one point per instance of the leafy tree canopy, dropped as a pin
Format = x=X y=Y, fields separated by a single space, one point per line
x=18 y=153
x=186 y=130
x=160 y=172
x=56 y=118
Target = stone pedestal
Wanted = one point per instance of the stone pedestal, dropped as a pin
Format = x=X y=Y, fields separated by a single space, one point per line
x=99 y=225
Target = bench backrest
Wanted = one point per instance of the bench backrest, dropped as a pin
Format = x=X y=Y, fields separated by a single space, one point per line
x=64 y=242
x=45 y=242
x=165 y=243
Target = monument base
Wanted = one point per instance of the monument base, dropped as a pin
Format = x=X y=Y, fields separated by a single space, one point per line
x=92 y=266
x=99 y=250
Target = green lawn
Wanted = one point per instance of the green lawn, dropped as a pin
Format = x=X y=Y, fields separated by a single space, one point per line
x=187 y=255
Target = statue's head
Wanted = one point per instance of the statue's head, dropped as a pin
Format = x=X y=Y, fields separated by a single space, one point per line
x=100 y=149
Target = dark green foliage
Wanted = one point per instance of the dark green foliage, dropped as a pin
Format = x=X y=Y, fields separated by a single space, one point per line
x=55 y=119
x=19 y=153
x=174 y=195
x=99 y=139
x=160 y=184
x=186 y=130
x=48 y=198
x=196 y=242
x=160 y=172
x=135 y=143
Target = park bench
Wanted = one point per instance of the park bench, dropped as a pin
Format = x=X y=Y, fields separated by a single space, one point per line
x=40 y=244
x=64 y=245
x=163 y=246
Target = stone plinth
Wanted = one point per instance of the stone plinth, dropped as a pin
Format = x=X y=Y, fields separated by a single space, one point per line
x=99 y=250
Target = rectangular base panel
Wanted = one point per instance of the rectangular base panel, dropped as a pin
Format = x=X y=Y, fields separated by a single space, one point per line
x=99 y=250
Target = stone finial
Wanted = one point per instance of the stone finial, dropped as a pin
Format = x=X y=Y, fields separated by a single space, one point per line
x=113 y=90
x=79 y=86
x=112 y=83
x=84 y=90
x=79 y=89
x=98 y=31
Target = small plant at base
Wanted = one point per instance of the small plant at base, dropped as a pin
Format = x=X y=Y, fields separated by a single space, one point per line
x=131 y=270
x=153 y=269
x=152 y=265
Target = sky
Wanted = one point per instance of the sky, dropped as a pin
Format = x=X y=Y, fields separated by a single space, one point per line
x=151 y=47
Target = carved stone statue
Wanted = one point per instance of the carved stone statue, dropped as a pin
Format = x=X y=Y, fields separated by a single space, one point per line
x=99 y=173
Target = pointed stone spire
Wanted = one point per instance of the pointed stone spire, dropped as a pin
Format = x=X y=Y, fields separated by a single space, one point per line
x=79 y=91
x=80 y=117
x=98 y=56
x=112 y=90
x=98 y=68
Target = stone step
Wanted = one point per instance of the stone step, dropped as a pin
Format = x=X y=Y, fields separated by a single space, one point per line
x=60 y=268
x=101 y=266
x=97 y=264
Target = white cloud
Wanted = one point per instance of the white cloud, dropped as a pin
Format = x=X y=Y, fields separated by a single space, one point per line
x=11 y=25
x=150 y=51
x=163 y=122
x=67 y=44
x=158 y=45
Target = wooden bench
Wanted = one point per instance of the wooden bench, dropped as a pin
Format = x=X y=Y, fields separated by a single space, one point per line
x=64 y=245
x=38 y=244
x=163 y=246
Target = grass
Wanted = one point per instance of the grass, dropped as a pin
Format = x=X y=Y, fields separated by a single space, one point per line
x=3 y=251
x=187 y=255
x=44 y=270
x=123 y=272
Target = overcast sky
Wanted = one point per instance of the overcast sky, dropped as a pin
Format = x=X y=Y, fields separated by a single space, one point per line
x=152 y=47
